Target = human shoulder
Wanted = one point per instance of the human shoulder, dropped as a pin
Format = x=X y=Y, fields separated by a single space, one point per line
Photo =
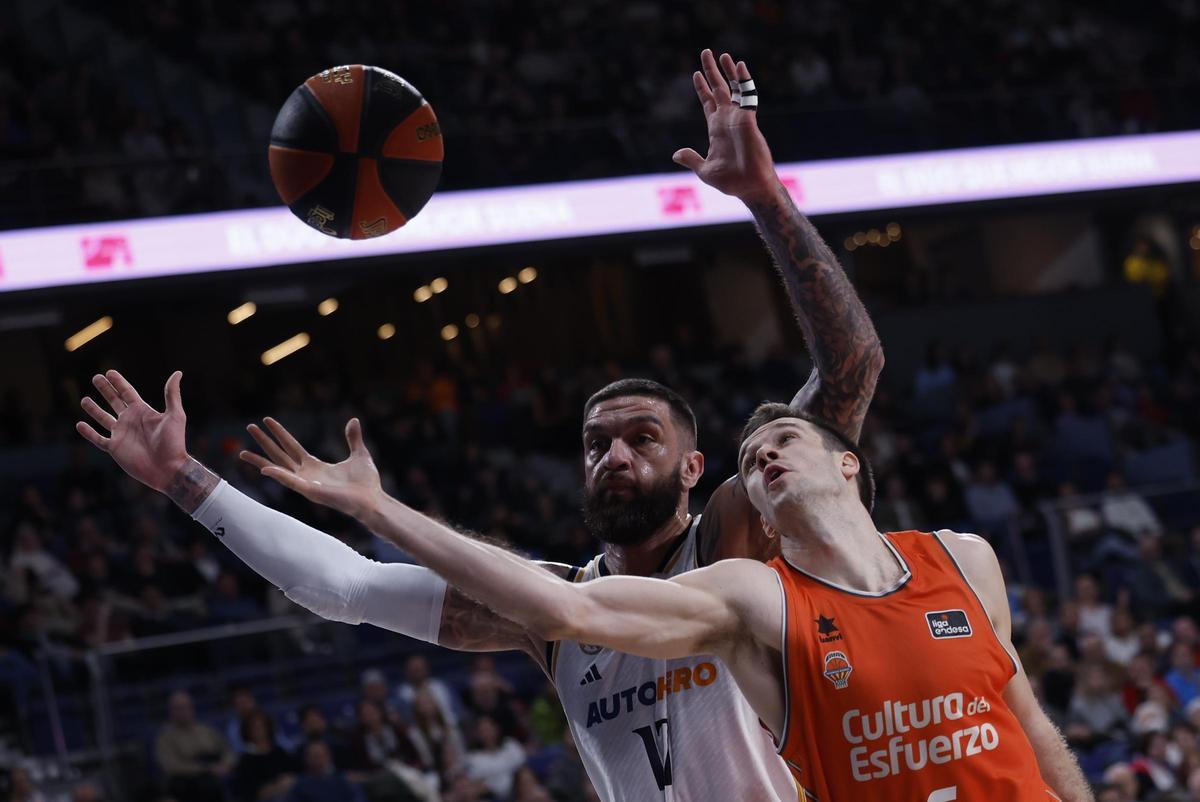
x=977 y=560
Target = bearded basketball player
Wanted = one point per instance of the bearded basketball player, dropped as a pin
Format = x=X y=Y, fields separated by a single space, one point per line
x=881 y=663
x=643 y=725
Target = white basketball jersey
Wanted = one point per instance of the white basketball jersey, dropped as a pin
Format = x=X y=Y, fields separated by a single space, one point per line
x=672 y=730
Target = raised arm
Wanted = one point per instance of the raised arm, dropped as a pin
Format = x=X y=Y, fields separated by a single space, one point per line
x=312 y=568
x=840 y=336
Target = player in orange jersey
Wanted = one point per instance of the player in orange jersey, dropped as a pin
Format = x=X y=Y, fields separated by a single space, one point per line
x=881 y=663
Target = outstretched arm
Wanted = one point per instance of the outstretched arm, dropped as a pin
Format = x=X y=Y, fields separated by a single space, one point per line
x=314 y=569
x=840 y=336
x=649 y=617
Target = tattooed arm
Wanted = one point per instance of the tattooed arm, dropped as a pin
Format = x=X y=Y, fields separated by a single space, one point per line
x=846 y=350
x=841 y=338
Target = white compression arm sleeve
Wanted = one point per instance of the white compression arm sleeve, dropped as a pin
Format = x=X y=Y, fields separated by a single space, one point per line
x=321 y=573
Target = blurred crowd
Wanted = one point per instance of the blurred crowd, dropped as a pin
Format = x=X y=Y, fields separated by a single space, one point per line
x=1027 y=448
x=558 y=91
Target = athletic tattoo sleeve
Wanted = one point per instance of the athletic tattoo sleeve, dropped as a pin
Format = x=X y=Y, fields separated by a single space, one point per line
x=845 y=349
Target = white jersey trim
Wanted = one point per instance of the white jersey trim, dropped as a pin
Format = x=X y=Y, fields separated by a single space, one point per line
x=787 y=699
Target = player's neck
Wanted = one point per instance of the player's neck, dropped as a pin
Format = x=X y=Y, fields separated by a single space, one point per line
x=840 y=544
x=646 y=558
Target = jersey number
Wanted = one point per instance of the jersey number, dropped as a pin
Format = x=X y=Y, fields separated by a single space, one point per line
x=944 y=794
x=660 y=764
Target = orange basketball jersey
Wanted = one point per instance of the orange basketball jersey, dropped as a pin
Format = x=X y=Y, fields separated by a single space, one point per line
x=896 y=697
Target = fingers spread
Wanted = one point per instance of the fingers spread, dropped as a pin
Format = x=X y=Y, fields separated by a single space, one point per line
x=716 y=83
x=276 y=454
x=105 y=388
x=98 y=414
x=92 y=436
x=289 y=443
x=124 y=388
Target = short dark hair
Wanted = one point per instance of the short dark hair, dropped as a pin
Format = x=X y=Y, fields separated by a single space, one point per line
x=835 y=440
x=685 y=419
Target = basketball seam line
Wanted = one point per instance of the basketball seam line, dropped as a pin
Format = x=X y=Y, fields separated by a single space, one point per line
x=315 y=104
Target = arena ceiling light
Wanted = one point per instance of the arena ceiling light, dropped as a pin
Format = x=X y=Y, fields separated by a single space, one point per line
x=386 y=332
x=449 y=332
x=285 y=349
x=422 y=294
x=507 y=285
x=527 y=274
x=438 y=285
x=241 y=313
x=327 y=307
x=88 y=333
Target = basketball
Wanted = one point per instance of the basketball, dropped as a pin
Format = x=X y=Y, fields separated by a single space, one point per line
x=356 y=152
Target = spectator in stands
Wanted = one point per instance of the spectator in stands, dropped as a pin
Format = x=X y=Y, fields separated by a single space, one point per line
x=990 y=500
x=375 y=689
x=438 y=740
x=264 y=772
x=242 y=703
x=1183 y=678
x=1122 y=644
x=30 y=559
x=1096 y=713
x=86 y=792
x=494 y=758
x=527 y=788
x=1126 y=511
x=489 y=694
x=321 y=781
x=1122 y=782
x=1151 y=765
x=417 y=678
x=1095 y=617
x=1155 y=586
x=194 y=758
x=227 y=605
x=21 y=787
x=566 y=775
x=383 y=757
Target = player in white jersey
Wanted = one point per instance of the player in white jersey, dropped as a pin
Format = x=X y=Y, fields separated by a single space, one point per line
x=647 y=729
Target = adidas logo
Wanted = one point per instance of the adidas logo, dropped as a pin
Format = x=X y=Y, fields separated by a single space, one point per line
x=591 y=676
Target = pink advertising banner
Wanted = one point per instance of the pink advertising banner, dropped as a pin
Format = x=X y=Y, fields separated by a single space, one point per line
x=165 y=246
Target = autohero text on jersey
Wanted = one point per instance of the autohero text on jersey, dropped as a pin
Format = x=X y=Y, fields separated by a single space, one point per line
x=896 y=728
x=678 y=680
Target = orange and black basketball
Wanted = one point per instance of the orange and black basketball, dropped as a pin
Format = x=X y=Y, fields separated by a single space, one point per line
x=355 y=152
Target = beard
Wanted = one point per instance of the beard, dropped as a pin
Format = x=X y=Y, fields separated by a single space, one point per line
x=624 y=523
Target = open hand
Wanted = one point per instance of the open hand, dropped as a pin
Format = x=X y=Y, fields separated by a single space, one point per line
x=146 y=443
x=350 y=486
x=739 y=162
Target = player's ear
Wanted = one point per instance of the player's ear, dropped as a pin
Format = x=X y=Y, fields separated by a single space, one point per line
x=691 y=468
x=850 y=465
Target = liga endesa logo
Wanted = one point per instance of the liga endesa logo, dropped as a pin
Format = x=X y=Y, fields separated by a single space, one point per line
x=896 y=729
